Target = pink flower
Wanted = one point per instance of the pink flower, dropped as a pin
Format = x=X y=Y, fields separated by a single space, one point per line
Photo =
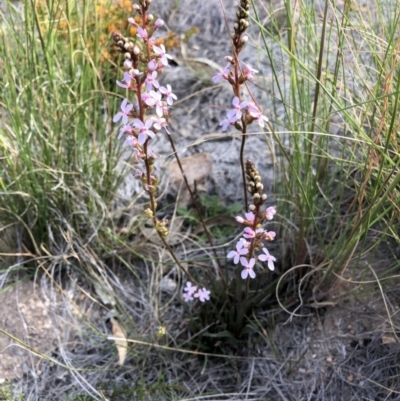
x=152 y=65
x=128 y=80
x=248 y=268
x=156 y=100
x=151 y=80
x=144 y=129
x=124 y=113
x=240 y=250
x=249 y=233
x=236 y=113
x=225 y=123
x=159 y=123
x=270 y=235
x=167 y=92
x=257 y=115
x=148 y=99
x=249 y=71
x=125 y=129
x=142 y=33
x=203 y=294
x=131 y=141
x=190 y=288
x=270 y=212
x=266 y=257
x=160 y=51
x=222 y=74
x=250 y=217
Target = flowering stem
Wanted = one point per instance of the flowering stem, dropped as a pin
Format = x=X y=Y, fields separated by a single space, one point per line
x=196 y=205
x=242 y=164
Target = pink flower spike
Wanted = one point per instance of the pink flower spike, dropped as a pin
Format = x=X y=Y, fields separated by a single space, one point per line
x=222 y=74
x=142 y=33
x=124 y=113
x=144 y=129
x=238 y=253
x=167 y=92
x=151 y=80
x=266 y=257
x=160 y=51
x=249 y=233
x=270 y=213
x=236 y=112
x=203 y=294
x=248 y=268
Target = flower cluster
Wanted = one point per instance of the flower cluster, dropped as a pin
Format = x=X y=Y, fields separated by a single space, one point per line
x=143 y=62
x=192 y=291
x=247 y=111
x=253 y=233
x=142 y=66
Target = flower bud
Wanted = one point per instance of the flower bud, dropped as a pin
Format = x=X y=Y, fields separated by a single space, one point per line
x=148 y=213
x=127 y=64
x=239 y=219
x=150 y=17
x=252 y=207
x=263 y=197
x=136 y=50
x=159 y=22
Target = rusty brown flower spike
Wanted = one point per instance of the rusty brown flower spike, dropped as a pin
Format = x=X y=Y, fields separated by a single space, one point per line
x=255 y=187
x=240 y=25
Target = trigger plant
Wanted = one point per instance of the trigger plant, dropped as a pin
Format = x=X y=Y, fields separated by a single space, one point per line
x=144 y=114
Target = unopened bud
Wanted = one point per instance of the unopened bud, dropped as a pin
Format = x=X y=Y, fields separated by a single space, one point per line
x=127 y=64
x=244 y=39
x=148 y=213
x=252 y=207
x=136 y=50
x=264 y=197
x=150 y=17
